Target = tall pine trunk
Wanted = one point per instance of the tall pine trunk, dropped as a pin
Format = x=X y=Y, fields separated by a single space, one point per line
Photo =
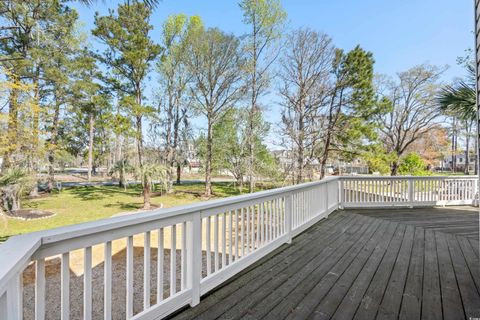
x=91 y=124
x=145 y=184
x=208 y=165
x=12 y=130
x=52 y=146
x=35 y=129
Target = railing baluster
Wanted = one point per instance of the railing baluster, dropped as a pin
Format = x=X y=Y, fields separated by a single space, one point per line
x=183 y=277
x=248 y=230
x=129 y=278
x=236 y=234
x=215 y=242
x=87 y=283
x=262 y=223
x=173 y=260
x=230 y=237
x=224 y=239
x=107 y=281
x=146 y=270
x=65 y=286
x=257 y=212
x=242 y=238
x=160 y=262
x=208 y=235
x=40 y=289
x=194 y=251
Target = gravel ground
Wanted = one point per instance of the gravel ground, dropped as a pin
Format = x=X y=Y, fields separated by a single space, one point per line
x=118 y=286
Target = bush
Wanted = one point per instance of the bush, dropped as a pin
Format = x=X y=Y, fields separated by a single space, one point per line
x=413 y=165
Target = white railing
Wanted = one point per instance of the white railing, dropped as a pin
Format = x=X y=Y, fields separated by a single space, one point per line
x=374 y=191
x=148 y=265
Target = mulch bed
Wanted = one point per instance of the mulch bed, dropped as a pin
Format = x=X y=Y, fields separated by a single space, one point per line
x=29 y=214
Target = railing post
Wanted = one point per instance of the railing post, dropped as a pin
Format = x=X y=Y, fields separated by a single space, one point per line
x=340 y=193
x=3 y=306
x=411 y=186
x=12 y=299
x=194 y=251
x=288 y=216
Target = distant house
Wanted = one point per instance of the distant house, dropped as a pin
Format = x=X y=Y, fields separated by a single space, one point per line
x=446 y=163
x=192 y=160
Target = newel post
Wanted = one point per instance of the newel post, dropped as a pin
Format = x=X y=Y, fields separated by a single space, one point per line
x=288 y=216
x=194 y=252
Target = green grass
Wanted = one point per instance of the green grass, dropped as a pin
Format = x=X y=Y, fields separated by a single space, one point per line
x=82 y=204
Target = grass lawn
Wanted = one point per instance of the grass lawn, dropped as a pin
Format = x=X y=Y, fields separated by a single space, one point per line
x=81 y=204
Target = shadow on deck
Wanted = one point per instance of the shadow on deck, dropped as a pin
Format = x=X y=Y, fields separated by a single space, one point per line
x=362 y=264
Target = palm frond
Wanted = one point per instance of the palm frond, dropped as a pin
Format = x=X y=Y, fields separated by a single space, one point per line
x=459 y=99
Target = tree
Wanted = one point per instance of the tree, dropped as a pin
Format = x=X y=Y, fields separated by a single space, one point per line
x=458 y=100
x=266 y=19
x=20 y=19
x=90 y=98
x=13 y=183
x=350 y=107
x=129 y=55
x=215 y=63
x=177 y=35
x=412 y=109
x=305 y=68
x=229 y=152
x=62 y=43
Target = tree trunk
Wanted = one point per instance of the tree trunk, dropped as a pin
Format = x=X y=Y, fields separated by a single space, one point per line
x=394 y=168
x=35 y=129
x=324 y=159
x=476 y=158
x=300 y=155
x=179 y=173
x=467 y=150
x=253 y=111
x=454 y=146
x=208 y=165
x=240 y=183
x=12 y=130
x=91 y=123
x=146 y=196
x=53 y=146
x=121 y=182
x=251 y=153
x=170 y=151
x=145 y=183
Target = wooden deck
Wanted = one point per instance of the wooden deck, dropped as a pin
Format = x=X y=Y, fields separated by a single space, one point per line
x=362 y=264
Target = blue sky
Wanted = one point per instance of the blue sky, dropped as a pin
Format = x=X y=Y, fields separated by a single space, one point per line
x=401 y=34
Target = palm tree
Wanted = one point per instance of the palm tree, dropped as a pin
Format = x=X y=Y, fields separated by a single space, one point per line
x=459 y=100
x=460 y=97
x=152 y=173
x=121 y=168
x=13 y=184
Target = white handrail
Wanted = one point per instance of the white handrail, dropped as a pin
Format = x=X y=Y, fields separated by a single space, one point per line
x=230 y=234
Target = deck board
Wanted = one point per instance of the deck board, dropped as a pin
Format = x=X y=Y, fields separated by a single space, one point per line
x=362 y=264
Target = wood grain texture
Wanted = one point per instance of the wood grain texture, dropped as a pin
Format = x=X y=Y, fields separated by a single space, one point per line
x=362 y=264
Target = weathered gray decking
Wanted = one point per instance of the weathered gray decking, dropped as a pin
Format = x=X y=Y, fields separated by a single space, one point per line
x=362 y=264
